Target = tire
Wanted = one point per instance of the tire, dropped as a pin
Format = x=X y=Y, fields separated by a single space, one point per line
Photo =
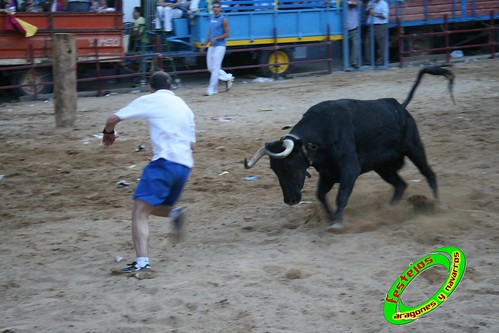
x=36 y=79
x=269 y=58
x=418 y=43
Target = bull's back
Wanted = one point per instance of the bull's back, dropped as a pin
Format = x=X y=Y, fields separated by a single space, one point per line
x=365 y=118
x=375 y=129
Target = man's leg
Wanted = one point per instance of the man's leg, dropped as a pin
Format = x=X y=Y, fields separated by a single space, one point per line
x=218 y=57
x=140 y=227
x=380 y=35
x=354 y=40
x=210 y=62
x=367 y=48
x=176 y=214
x=159 y=17
x=170 y=14
x=162 y=210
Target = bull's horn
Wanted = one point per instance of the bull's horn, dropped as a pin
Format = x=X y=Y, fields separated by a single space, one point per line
x=258 y=155
x=288 y=148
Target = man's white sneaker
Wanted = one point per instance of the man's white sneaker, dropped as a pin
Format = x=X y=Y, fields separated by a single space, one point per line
x=178 y=222
x=228 y=84
x=134 y=267
x=209 y=93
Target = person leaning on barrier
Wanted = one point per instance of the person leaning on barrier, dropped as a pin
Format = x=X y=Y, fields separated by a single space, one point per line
x=377 y=17
x=138 y=36
x=103 y=6
x=353 y=33
x=12 y=6
x=4 y=6
x=56 y=5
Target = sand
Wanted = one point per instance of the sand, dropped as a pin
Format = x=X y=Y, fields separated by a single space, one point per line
x=248 y=263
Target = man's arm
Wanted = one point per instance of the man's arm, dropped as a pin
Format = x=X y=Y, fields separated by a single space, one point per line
x=205 y=45
x=226 y=33
x=108 y=132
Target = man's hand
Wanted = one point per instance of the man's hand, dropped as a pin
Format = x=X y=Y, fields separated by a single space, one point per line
x=108 y=139
x=109 y=134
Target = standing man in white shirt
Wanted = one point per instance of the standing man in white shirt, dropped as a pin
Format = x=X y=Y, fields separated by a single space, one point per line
x=172 y=131
x=377 y=17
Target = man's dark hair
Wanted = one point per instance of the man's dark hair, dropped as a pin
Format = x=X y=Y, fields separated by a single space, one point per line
x=138 y=10
x=160 y=80
x=216 y=2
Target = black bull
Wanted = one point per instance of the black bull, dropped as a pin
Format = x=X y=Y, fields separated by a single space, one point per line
x=345 y=138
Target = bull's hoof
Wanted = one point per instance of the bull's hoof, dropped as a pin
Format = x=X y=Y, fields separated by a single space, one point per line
x=335 y=226
x=421 y=204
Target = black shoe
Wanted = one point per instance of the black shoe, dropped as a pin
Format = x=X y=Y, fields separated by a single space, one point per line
x=134 y=267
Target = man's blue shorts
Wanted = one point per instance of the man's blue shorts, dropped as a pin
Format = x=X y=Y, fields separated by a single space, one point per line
x=162 y=182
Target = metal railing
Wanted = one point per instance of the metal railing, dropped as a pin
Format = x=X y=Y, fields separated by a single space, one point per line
x=491 y=30
x=155 y=60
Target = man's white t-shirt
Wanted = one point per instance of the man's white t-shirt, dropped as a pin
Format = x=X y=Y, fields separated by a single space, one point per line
x=171 y=125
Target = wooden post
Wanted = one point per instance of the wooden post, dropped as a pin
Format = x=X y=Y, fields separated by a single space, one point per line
x=64 y=72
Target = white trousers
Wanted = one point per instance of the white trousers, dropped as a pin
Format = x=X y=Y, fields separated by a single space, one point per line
x=166 y=14
x=214 y=59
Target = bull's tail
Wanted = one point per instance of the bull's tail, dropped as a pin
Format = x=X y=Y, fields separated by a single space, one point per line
x=434 y=70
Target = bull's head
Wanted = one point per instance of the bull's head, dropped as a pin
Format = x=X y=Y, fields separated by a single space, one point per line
x=289 y=159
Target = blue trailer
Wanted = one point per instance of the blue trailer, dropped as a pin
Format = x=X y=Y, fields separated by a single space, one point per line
x=256 y=26
x=260 y=25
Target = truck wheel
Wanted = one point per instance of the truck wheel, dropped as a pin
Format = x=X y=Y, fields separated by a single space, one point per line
x=273 y=57
x=34 y=79
x=419 y=43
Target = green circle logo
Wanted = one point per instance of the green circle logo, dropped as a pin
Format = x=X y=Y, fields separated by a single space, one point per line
x=454 y=262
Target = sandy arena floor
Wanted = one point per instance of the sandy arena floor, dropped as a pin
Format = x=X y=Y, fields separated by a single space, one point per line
x=249 y=263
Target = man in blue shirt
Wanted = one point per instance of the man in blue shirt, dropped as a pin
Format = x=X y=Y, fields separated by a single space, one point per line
x=218 y=32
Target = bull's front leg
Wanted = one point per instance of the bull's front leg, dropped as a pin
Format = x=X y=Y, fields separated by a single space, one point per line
x=325 y=185
x=349 y=175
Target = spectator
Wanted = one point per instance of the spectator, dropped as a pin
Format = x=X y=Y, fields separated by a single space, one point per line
x=13 y=6
x=57 y=6
x=103 y=6
x=217 y=33
x=4 y=6
x=166 y=11
x=79 y=5
x=138 y=36
x=193 y=9
x=377 y=18
x=353 y=32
